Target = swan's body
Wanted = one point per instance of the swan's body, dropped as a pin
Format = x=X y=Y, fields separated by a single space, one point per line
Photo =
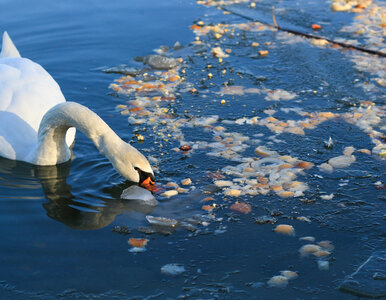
x=36 y=121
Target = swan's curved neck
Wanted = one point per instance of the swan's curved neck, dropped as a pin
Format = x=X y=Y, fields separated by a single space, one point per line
x=52 y=148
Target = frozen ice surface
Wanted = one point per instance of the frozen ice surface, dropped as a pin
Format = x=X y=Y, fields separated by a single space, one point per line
x=369 y=279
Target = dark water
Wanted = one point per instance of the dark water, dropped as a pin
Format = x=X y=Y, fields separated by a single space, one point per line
x=56 y=222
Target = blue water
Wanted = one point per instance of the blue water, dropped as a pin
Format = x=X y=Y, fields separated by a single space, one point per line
x=56 y=222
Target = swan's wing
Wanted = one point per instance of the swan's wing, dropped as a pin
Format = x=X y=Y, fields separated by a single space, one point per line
x=17 y=138
x=8 y=49
x=9 y=78
x=27 y=90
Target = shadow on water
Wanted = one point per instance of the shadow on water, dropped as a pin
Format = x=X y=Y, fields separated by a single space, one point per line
x=62 y=205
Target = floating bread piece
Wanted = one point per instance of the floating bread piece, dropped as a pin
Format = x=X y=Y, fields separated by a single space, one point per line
x=365 y=151
x=277 y=188
x=305 y=219
x=218 y=52
x=295 y=130
x=289 y=274
x=286 y=194
x=186 y=181
x=223 y=183
x=285 y=229
x=169 y=194
x=138 y=242
x=341 y=6
x=263 y=151
x=233 y=193
x=316 y=27
x=326 y=245
x=327 y=115
x=285 y=166
x=278 y=281
x=209 y=207
x=319 y=42
x=172 y=184
x=182 y=190
x=309 y=249
x=305 y=165
x=321 y=253
x=241 y=207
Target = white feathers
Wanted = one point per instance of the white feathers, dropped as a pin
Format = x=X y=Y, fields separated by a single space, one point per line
x=8 y=48
x=36 y=122
x=27 y=92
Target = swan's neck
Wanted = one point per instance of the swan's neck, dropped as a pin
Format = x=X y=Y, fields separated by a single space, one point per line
x=52 y=148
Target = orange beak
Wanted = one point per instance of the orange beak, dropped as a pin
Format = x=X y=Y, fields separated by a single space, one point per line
x=149 y=184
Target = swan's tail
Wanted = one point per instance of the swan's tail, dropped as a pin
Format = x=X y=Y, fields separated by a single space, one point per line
x=8 y=49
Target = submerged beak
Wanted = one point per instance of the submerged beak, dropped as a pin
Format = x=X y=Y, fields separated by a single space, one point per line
x=147 y=181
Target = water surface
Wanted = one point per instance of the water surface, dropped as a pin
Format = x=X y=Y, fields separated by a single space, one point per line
x=57 y=238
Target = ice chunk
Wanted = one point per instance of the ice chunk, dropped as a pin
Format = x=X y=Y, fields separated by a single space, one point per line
x=348 y=151
x=329 y=144
x=327 y=197
x=265 y=220
x=161 y=221
x=160 y=62
x=279 y=94
x=137 y=249
x=173 y=269
x=367 y=280
x=135 y=192
x=232 y=90
x=342 y=161
x=323 y=265
x=123 y=69
x=326 y=168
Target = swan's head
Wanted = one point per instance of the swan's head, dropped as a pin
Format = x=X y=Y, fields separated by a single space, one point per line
x=132 y=164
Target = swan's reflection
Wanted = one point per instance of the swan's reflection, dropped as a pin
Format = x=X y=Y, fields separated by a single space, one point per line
x=62 y=205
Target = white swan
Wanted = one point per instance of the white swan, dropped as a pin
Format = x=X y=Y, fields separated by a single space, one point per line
x=36 y=121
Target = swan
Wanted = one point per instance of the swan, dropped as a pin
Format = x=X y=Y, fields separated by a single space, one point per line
x=37 y=124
